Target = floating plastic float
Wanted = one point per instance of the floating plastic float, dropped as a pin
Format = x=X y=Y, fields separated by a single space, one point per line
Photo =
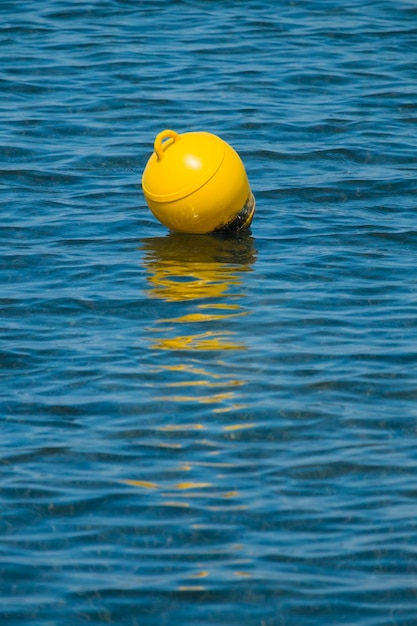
x=196 y=183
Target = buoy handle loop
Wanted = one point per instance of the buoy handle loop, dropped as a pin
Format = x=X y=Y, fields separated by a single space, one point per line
x=159 y=141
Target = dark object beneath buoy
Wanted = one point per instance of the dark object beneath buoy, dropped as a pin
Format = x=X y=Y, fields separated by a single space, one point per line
x=243 y=219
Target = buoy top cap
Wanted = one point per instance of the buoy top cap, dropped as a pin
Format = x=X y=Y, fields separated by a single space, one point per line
x=181 y=164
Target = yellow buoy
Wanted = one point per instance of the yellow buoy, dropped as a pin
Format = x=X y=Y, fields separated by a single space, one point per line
x=196 y=183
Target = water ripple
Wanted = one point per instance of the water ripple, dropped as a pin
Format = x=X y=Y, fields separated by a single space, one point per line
x=208 y=430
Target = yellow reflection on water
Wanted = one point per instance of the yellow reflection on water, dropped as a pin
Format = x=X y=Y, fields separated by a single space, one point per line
x=190 y=485
x=202 y=341
x=238 y=426
x=142 y=483
x=202 y=574
x=189 y=267
x=181 y=494
x=180 y=427
x=205 y=317
x=205 y=273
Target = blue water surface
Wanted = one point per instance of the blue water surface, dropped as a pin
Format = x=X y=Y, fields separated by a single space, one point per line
x=209 y=430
